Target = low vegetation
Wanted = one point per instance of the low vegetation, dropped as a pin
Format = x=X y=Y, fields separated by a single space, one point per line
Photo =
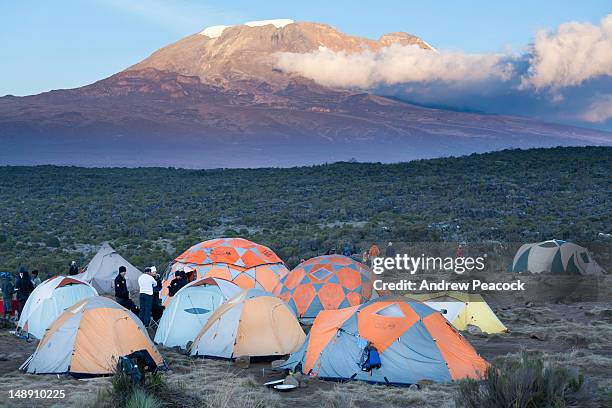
x=154 y=392
x=51 y=215
x=527 y=382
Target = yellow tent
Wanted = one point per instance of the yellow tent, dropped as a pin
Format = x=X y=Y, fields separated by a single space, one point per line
x=463 y=309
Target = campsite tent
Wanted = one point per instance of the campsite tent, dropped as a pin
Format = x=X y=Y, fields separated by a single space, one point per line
x=463 y=309
x=414 y=343
x=247 y=264
x=88 y=338
x=324 y=283
x=555 y=256
x=104 y=267
x=49 y=300
x=254 y=323
x=190 y=309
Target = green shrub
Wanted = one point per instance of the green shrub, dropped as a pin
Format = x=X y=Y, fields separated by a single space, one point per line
x=528 y=382
x=121 y=388
x=141 y=399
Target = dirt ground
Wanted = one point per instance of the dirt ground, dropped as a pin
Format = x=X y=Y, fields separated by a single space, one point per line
x=568 y=326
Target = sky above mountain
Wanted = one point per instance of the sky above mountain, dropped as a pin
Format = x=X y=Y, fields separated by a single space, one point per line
x=496 y=57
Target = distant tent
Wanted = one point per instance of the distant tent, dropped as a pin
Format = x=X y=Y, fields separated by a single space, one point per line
x=88 y=339
x=325 y=283
x=247 y=264
x=49 y=300
x=463 y=309
x=189 y=310
x=412 y=341
x=555 y=256
x=104 y=268
x=254 y=323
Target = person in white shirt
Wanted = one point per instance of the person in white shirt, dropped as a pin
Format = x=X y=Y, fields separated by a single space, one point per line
x=146 y=283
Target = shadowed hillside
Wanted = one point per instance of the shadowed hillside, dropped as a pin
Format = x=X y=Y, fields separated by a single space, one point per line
x=51 y=215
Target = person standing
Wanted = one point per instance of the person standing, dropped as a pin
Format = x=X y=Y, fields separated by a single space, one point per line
x=35 y=279
x=122 y=294
x=179 y=281
x=74 y=269
x=7 y=294
x=156 y=309
x=23 y=288
x=146 y=283
x=390 y=251
x=374 y=252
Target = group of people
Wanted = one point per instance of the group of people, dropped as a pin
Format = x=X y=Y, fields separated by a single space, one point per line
x=22 y=288
x=149 y=287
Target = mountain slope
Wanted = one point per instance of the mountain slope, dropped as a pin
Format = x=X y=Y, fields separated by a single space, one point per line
x=214 y=99
x=236 y=56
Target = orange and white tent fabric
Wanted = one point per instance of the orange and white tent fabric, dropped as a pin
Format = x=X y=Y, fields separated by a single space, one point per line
x=49 y=300
x=326 y=282
x=414 y=342
x=88 y=339
x=254 y=323
x=247 y=264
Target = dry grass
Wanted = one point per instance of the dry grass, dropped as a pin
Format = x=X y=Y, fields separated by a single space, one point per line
x=219 y=383
x=574 y=336
x=360 y=394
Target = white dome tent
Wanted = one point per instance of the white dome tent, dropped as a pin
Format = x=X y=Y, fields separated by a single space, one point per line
x=49 y=300
x=104 y=267
x=190 y=308
x=555 y=256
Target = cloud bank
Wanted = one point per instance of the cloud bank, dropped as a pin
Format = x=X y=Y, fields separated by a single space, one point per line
x=393 y=65
x=566 y=75
x=573 y=54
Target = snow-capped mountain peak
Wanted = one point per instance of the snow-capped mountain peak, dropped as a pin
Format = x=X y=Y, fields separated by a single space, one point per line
x=216 y=31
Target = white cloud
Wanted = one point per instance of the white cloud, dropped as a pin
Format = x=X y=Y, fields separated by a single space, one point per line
x=573 y=54
x=393 y=65
x=599 y=111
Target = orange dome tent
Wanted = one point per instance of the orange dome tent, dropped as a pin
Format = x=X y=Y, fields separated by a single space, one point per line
x=414 y=342
x=247 y=264
x=88 y=339
x=325 y=283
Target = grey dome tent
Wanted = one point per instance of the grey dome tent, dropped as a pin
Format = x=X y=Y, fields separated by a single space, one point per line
x=104 y=267
x=555 y=256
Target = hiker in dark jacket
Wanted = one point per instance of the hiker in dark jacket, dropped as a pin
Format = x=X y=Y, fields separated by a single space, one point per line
x=180 y=280
x=157 y=309
x=121 y=290
x=7 y=293
x=74 y=269
x=122 y=294
x=23 y=288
